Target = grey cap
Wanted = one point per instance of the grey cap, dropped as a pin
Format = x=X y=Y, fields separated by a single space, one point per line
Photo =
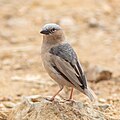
x=49 y=28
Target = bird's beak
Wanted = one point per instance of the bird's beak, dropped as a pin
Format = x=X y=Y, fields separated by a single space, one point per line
x=44 y=32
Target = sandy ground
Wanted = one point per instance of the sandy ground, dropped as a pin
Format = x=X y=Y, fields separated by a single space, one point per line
x=91 y=26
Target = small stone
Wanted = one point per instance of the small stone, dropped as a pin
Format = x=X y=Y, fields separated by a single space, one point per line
x=93 y=22
x=102 y=100
x=9 y=104
x=104 y=107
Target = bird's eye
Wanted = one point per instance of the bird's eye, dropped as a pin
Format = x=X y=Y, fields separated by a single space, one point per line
x=53 y=29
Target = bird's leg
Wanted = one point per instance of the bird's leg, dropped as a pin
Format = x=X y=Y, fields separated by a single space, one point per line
x=51 y=99
x=71 y=94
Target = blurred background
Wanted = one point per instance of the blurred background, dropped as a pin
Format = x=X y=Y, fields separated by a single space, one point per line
x=91 y=26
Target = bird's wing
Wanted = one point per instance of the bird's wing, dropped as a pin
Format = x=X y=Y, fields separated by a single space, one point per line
x=65 y=61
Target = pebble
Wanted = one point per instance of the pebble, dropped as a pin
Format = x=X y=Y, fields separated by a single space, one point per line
x=104 y=107
x=102 y=100
x=93 y=22
x=9 y=104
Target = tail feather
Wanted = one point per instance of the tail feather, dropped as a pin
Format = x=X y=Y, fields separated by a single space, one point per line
x=90 y=94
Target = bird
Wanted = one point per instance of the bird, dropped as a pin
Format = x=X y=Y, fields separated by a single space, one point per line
x=61 y=62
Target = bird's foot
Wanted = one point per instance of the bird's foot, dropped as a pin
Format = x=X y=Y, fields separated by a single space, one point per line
x=50 y=99
x=68 y=100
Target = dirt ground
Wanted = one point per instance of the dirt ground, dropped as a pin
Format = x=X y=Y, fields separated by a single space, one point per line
x=91 y=26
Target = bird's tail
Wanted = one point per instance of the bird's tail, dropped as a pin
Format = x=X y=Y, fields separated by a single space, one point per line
x=90 y=94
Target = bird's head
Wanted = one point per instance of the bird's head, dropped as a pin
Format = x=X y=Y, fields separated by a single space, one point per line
x=52 y=31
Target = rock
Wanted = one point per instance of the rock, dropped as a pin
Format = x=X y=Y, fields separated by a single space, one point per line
x=9 y=104
x=38 y=108
x=97 y=73
x=104 y=106
x=94 y=23
x=102 y=100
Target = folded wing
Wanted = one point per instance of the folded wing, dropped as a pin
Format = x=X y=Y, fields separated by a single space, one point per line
x=65 y=60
